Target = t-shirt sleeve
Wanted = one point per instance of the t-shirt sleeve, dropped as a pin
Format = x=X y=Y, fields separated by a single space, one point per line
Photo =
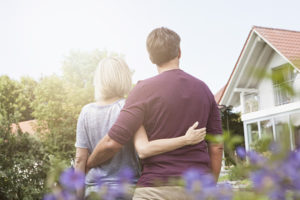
x=131 y=116
x=81 y=133
x=214 y=124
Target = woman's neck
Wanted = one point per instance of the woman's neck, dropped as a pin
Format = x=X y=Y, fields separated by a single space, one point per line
x=104 y=102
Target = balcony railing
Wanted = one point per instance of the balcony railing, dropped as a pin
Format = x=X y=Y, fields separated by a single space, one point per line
x=251 y=103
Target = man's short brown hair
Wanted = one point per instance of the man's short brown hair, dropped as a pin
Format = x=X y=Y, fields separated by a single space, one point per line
x=163 y=45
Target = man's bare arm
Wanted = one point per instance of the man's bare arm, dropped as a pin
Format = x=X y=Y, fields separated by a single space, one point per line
x=215 y=153
x=105 y=149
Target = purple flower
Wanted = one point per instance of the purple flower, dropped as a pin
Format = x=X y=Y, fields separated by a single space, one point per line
x=72 y=179
x=277 y=194
x=126 y=175
x=65 y=195
x=294 y=159
x=255 y=158
x=190 y=177
x=195 y=179
x=264 y=179
x=275 y=147
x=114 y=192
x=240 y=151
x=290 y=169
x=49 y=197
x=223 y=191
x=202 y=186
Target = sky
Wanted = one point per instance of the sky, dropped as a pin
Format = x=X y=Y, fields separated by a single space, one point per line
x=36 y=35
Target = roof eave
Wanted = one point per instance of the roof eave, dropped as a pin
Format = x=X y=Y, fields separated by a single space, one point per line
x=221 y=101
x=276 y=50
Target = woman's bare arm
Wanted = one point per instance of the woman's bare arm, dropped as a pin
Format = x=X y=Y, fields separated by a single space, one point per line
x=146 y=149
x=80 y=164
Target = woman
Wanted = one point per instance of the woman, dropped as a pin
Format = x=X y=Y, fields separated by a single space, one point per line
x=112 y=82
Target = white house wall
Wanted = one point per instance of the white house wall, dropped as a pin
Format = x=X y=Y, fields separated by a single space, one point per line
x=265 y=87
x=265 y=92
x=276 y=60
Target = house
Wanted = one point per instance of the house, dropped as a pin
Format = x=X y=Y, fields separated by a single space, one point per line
x=261 y=86
x=25 y=127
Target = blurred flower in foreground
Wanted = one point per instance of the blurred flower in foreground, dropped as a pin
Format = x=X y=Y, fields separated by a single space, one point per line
x=278 y=177
x=126 y=175
x=203 y=186
x=49 y=197
x=62 y=195
x=125 y=187
x=255 y=158
x=275 y=147
x=71 y=179
x=264 y=179
x=241 y=152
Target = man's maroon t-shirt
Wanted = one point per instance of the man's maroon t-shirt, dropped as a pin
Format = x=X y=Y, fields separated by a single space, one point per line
x=167 y=105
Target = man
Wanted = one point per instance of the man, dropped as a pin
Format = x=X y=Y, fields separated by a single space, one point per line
x=166 y=104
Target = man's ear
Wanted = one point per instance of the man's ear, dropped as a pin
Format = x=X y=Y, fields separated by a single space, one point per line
x=179 y=53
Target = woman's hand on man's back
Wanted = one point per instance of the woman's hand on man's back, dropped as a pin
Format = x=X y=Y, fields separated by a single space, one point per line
x=193 y=135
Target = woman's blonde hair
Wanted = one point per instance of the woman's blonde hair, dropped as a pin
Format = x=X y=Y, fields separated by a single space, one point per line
x=112 y=79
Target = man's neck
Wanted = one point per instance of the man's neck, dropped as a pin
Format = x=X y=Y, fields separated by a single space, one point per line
x=173 y=64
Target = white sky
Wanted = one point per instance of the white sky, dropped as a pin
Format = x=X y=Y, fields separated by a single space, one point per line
x=35 y=35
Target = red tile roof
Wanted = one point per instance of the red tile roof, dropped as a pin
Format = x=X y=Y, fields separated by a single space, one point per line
x=26 y=127
x=286 y=42
x=219 y=94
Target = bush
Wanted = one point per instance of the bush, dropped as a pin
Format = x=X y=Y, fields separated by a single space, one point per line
x=238 y=172
x=23 y=167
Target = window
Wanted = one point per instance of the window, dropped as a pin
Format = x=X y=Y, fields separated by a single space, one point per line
x=283 y=131
x=252 y=130
x=266 y=129
x=283 y=78
x=251 y=103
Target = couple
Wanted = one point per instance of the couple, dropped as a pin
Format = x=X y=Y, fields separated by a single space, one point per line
x=154 y=120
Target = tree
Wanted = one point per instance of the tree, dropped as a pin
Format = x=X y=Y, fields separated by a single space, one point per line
x=10 y=112
x=55 y=115
x=23 y=167
x=27 y=85
x=15 y=100
x=59 y=100
x=79 y=67
x=234 y=132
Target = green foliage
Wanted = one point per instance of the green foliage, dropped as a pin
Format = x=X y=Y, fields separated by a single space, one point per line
x=56 y=168
x=239 y=172
x=262 y=145
x=278 y=77
x=249 y=195
x=55 y=101
x=59 y=100
x=23 y=167
x=15 y=100
x=230 y=141
x=55 y=115
x=9 y=100
x=79 y=67
x=233 y=133
x=28 y=86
